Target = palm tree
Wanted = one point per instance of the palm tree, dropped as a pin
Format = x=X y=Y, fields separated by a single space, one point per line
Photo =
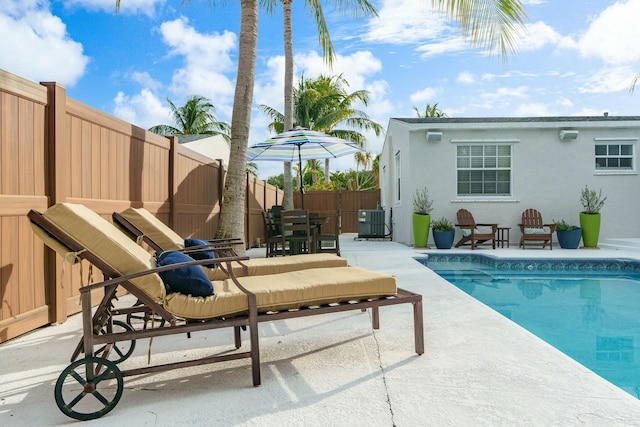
x=324 y=105
x=364 y=160
x=193 y=118
x=232 y=224
x=324 y=38
x=488 y=22
x=430 y=111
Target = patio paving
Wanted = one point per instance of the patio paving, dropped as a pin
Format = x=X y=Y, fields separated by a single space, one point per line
x=478 y=369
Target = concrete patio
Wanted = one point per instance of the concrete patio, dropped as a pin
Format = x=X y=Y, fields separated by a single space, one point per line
x=479 y=369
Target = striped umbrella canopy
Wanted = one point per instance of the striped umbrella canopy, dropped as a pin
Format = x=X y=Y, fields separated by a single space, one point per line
x=301 y=144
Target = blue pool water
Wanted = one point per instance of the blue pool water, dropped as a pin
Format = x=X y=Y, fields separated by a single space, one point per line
x=588 y=309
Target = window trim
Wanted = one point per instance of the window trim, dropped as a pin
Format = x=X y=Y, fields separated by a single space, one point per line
x=617 y=141
x=487 y=142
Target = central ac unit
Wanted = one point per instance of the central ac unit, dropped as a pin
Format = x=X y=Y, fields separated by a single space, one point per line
x=371 y=223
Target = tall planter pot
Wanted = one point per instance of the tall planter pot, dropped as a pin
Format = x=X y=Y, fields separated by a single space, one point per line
x=443 y=239
x=421 y=225
x=590 y=224
x=569 y=239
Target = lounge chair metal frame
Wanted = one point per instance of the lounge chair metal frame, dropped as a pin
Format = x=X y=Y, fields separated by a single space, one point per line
x=98 y=328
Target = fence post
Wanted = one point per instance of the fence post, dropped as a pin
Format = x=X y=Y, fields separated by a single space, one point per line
x=56 y=186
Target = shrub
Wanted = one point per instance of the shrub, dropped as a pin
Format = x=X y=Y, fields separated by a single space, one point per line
x=562 y=225
x=421 y=203
x=442 y=224
x=591 y=200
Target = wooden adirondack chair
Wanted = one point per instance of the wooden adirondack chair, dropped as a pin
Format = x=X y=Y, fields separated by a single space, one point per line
x=473 y=236
x=534 y=231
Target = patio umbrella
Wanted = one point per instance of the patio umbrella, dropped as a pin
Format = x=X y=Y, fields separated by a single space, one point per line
x=303 y=144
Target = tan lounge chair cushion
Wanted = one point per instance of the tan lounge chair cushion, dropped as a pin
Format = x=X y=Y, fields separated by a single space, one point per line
x=290 y=290
x=107 y=242
x=155 y=229
x=265 y=266
x=284 y=291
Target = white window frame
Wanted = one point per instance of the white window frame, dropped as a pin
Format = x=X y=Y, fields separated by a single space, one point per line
x=484 y=144
x=609 y=143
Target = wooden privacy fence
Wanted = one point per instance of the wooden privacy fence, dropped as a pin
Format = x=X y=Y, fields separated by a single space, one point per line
x=349 y=203
x=55 y=149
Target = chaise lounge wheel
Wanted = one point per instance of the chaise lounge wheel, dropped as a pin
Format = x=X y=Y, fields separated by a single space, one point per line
x=141 y=320
x=117 y=351
x=89 y=388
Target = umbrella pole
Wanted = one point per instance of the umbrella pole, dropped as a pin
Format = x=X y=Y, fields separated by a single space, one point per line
x=300 y=174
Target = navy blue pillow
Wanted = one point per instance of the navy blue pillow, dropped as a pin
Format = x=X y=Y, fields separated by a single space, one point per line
x=190 y=280
x=200 y=255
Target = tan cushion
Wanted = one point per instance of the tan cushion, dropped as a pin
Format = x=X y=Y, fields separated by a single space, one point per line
x=285 y=291
x=155 y=229
x=265 y=266
x=107 y=242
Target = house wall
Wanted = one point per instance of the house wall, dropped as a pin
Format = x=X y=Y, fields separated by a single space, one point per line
x=548 y=173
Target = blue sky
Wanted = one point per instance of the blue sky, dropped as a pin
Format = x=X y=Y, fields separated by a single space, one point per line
x=578 y=57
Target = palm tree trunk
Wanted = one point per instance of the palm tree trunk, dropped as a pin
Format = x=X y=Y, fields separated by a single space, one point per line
x=288 y=96
x=232 y=224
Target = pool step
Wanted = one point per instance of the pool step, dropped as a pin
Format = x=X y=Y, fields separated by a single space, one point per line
x=623 y=244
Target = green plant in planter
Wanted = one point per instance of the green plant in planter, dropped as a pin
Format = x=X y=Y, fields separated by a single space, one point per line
x=422 y=204
x=443 y=233
x=592 y=202
x=442 y=224
x=569 y=235
x=422 y=207
x=562 y=225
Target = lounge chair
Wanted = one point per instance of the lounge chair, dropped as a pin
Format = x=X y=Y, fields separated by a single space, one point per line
x=141 y=224
x=76 y=233
x=534 y=231
x=471 y=234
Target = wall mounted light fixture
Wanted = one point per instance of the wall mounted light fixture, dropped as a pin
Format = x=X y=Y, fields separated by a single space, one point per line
x=434 y=136
x=568 y=134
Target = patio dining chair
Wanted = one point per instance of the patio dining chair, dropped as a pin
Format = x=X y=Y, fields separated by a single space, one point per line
x=296 y=233
x=273 y=239
x=328 y=241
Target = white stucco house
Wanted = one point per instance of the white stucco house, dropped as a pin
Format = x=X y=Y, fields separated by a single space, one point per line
x=213 y=146
x=499 y=167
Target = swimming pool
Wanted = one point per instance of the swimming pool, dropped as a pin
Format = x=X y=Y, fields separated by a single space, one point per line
x=588 y=309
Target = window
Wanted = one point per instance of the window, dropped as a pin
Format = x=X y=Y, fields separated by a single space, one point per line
x=484 y=170
x=614 y=156
x=397 y=175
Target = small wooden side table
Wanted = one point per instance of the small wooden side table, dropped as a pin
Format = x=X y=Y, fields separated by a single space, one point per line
x=503 y=236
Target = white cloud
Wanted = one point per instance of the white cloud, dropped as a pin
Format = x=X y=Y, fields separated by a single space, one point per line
x=466 y=77
x=207 y=61
x=405 y=22
x=502 y=93
x=143 y=109
x=613 y=36
x=534 y=109
x=425 y=95
x=146 y=7
x=45 y=51
x=538 y=35
x=609 y=79
x=144 y=79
